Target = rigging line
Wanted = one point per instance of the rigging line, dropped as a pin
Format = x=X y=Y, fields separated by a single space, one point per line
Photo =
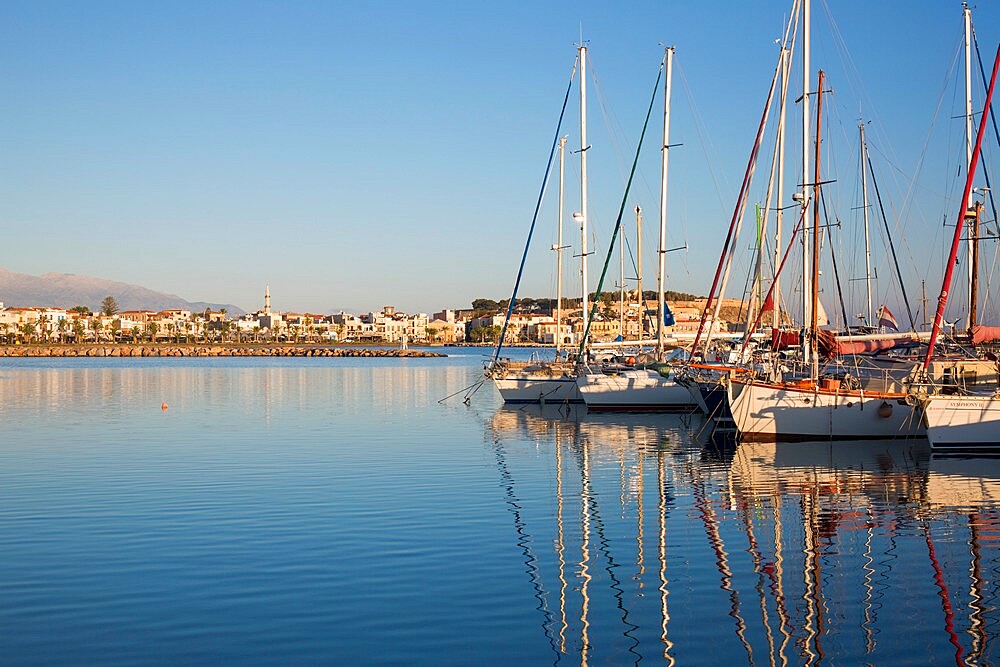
x=611 y=123
x=770 y=291
x=833 y=256
x=464 y=389
x=986 y=172
x=534 y=218
x=738 y=211
x=704 y=138
x=892 y=246
x=751 y=269
x=909 y=197
x=956 y=239
x=621 y=212
x=993 y=120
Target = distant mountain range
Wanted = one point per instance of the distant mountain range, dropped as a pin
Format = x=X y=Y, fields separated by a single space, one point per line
x=65 y=290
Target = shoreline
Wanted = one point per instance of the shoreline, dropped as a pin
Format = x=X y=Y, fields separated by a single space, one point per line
x=129 y=350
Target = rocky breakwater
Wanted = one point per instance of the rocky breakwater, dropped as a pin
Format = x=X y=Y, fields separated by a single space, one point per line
x=170 y=350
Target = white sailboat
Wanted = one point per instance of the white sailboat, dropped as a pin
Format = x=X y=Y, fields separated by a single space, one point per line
x=540 y=382
x=645 y=389
x=818 y=407
x=962 y=419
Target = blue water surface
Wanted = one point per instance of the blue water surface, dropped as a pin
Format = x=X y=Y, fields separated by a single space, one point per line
x=335 y=510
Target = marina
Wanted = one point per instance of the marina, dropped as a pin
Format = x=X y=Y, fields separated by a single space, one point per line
x=775 y=454
x=337 y=510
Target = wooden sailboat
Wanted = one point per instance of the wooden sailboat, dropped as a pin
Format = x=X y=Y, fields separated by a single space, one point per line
x=819 y=406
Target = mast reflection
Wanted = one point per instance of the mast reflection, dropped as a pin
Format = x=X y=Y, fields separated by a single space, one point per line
x=823 y=538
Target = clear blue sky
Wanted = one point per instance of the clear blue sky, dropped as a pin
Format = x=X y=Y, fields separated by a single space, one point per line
x=353 y=155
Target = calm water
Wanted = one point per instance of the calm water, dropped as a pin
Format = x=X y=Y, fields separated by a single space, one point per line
x=331 y=510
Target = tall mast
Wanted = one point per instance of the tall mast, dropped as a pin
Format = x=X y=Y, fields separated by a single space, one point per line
x=814 y=326
x=559 y=245
x=960 y=223
x=779 y=212
x=967 y=15
x=638 y=271
x=973 y=217
x=661 y=272
x=621 y=285
x=806 y=303
x=864 y=214
x=583 y=185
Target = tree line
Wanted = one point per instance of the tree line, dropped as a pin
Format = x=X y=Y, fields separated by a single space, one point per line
x=528 y=305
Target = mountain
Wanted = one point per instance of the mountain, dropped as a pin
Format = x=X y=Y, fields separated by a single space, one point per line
x=65 y=290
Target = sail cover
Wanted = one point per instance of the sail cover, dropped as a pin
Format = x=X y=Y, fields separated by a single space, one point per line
x=983 y=334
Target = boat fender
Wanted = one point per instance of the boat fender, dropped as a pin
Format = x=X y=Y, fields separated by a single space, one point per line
x=885 y=410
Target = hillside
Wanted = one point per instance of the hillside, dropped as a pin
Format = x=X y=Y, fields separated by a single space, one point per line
x=65 y=290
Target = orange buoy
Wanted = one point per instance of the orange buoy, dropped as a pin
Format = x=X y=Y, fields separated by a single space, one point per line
x=163 y=407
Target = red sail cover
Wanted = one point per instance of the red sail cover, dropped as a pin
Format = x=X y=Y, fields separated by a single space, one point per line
x=783 y=339
x=864 y=346
x=830 y=346
x=981 y=334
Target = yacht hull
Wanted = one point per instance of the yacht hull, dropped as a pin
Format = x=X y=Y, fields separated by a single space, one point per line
x=519 y=389
x=769 y=413
x=640 y=390
x=962 y=422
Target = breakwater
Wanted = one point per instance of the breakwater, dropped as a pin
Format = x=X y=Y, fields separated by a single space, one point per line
x=192 y=350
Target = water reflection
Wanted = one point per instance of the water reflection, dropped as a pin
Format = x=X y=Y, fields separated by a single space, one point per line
x=804 y=553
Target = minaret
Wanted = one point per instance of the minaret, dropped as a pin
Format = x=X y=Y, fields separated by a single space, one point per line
x=267 y=299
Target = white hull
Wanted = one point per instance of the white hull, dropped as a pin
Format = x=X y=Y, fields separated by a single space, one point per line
x=636 y=390
x=962 y=422
x=780 y=412
x=528 y=388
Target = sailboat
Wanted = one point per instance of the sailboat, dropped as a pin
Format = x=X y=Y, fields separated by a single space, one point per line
x=961 y=418
x=654 y=388
x=834 y=405
x=552 y=381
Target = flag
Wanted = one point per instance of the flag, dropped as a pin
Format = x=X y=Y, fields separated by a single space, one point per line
x=885 y=318
x=668 y=317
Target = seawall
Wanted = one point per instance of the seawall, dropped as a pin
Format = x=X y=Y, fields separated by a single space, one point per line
x=192 y=350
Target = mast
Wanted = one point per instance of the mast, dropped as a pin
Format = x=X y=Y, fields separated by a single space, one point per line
x=583 y=185
x=959 y=224
x=967 y=21
x=559 y=246
x=661 y=272
x=806 y=303
x=786 y=55
x=814 y=321
x=638 y=271
x=973 y=217
x=621 y=286
x=864 y=213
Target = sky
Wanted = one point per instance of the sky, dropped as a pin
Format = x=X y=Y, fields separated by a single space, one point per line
x=354 y=155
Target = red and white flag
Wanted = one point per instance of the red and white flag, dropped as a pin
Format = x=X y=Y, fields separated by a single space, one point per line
x=886 y=319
